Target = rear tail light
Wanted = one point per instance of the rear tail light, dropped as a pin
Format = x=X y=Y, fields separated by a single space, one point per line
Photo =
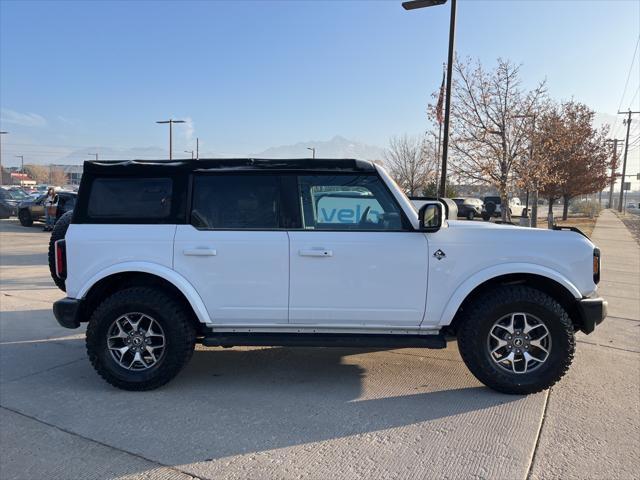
x=61 y=259
x=596 y=265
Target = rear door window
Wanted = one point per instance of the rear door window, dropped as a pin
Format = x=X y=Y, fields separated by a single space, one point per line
x=236 y=202
x=130 y=198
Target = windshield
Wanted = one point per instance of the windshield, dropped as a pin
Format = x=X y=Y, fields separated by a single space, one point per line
x=18 y=194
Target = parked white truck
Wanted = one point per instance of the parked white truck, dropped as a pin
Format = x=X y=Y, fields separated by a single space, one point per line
x=160 y=255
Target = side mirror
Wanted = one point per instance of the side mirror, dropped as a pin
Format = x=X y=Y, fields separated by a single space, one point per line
x=431 y=216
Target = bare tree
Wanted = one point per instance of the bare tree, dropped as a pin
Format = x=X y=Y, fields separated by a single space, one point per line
x=39 y=173
x=411 y=162
x=58 y=177
x=489 y=134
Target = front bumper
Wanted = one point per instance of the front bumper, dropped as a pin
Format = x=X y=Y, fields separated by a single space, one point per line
x=592 y=312
x=67 y=312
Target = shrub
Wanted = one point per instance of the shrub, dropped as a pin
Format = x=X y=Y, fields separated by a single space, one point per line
x=588 y=208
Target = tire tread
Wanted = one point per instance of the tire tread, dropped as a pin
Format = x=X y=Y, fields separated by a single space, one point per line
x=470 y=332
x=175 y=359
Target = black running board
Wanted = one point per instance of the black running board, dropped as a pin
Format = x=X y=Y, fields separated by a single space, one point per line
x=323 y=340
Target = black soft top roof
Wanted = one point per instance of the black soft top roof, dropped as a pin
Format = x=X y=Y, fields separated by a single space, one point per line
x=142 y=167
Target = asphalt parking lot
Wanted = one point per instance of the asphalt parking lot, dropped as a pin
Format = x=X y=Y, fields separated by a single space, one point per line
x=311 y=413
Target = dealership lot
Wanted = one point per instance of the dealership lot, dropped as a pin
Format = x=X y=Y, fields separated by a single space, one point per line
x=311 y=413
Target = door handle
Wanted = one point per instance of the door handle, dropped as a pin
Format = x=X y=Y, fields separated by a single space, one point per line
x=315 y=252
x=200 y=252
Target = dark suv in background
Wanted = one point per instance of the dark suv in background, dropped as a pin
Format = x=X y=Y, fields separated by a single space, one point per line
x=469 y=207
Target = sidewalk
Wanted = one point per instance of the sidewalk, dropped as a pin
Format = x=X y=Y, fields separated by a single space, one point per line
x=591 y=426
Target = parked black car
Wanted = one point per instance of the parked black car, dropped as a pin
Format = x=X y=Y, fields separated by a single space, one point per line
x=30 y=211
x=9 y=200
x=469 y=207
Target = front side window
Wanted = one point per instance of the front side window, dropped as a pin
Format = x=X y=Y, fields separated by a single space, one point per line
x=130 y=198
x=235 y=202
x=347 y=202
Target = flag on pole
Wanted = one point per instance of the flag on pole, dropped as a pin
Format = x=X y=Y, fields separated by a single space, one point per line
x=439 y=116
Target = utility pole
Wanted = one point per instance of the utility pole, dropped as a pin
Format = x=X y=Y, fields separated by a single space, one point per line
x=170 y=122
x=197 y=148
x=614 y=163
x=626 y=122
x=1 y=177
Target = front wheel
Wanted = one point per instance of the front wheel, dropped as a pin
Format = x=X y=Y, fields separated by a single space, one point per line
x=516 y=340
x=139 y=338
x=25 y=218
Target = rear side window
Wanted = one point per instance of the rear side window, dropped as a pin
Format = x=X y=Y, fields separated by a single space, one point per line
x=236 y=202
x=130 y=198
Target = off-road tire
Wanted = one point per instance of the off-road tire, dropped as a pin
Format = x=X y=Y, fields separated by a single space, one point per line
x=25 y=218
x=180 y=336
x=477 y=320
x=58 y=233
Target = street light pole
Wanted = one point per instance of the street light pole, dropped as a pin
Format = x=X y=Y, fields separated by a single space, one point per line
x=96 y=155
x=170 y=122
x=413 y=4
x=1 y=177
x=197 y=148
x=189 y=151
x=21 y=157
x=313 y=151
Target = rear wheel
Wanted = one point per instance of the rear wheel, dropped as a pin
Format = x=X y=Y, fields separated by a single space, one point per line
x=516 y=339
x=58 y=233
x=470 y=215
x=139 y=338
x=25 y=218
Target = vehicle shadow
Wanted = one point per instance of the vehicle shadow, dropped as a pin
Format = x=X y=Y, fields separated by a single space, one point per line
x=230 y=402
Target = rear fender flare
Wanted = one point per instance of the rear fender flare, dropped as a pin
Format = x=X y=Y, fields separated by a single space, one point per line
x=161 y=271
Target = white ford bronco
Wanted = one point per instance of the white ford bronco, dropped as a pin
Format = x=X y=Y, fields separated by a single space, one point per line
x=160 y=255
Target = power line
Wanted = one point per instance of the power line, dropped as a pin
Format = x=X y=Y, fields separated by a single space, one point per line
x=626 y=83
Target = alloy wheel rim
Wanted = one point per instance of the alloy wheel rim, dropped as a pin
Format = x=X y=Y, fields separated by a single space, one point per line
x=519 y=343
x=136 y=341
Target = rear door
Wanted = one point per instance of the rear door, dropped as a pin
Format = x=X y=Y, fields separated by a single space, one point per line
x=356 y=261
x=234 y=251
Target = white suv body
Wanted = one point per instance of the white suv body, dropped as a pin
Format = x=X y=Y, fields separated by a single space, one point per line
x=303 y=251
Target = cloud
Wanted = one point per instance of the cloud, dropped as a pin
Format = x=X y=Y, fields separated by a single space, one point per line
x=66 y=120
x=25 y=119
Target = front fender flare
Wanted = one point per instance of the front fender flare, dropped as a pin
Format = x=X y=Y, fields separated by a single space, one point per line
x=161 y=271
x=478 y=278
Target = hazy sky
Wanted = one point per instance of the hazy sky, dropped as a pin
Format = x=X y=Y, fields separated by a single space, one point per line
x=250 y=75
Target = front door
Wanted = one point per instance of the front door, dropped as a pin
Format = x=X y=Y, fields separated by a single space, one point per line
x=233 y=252
x=356 y=262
